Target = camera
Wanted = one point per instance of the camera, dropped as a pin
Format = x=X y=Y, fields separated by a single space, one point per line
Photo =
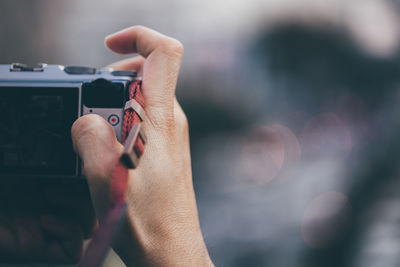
x=38 y=106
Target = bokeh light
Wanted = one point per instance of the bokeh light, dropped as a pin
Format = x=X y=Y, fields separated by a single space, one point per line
x=326 y=220
x=267 y=150
x=326 y=134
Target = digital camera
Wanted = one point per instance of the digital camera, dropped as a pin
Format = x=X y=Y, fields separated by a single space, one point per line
x=38 y=106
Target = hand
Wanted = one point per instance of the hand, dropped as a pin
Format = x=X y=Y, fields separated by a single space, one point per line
x=162 y=227
x=39 y=224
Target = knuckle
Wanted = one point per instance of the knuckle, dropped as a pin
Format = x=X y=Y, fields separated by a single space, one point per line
x=172 y=46
x=88 y=125
x=177 y=47
x=160 y=117
x=164 y=123
x=182 y=121
x=140 y=29
x=170 y=122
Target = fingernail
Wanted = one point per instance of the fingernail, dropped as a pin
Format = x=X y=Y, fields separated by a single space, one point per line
x=113 y=34
x=108 y=36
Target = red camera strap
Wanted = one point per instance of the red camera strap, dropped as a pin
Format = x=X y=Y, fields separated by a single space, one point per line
x=134 y=142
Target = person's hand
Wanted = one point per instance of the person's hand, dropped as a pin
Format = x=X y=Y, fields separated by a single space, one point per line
x=162 y=227
x=40 y=224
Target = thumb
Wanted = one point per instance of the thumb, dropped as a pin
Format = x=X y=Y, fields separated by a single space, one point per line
x=95 y=142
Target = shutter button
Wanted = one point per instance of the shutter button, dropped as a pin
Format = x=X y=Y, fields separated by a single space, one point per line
x=129 y=73
x=79 y=70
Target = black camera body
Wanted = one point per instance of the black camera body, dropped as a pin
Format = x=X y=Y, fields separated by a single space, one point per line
x=38 y=106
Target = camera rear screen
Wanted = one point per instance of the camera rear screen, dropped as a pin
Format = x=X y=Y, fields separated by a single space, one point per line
x=35 y=126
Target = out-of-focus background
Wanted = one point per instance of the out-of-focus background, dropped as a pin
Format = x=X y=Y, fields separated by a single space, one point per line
x=293 y=108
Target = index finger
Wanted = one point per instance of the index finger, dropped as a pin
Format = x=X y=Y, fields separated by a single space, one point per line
x=144 y=41
x=160 y=71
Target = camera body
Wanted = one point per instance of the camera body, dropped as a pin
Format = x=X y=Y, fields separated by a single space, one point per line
x=38 y=106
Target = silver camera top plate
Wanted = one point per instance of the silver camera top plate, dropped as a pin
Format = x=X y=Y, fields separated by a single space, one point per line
x=58 y=73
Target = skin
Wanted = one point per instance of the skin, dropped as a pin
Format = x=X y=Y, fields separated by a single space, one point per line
x=162 y=226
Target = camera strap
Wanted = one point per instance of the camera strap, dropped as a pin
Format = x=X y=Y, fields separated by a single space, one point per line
x=134 y=142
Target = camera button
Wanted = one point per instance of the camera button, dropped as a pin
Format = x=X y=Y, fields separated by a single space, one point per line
x=129 y=73
x=113 y=119
x=79 y=70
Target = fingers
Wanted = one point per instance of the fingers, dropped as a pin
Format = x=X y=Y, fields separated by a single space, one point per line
x=95 y=142
x=134 y=63
x=160 y=70
x=142 y=40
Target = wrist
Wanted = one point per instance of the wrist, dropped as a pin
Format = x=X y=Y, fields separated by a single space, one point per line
x=164 y=244
x=177 y=252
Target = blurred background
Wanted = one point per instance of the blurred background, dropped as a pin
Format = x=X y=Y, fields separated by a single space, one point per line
x=293 y=108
